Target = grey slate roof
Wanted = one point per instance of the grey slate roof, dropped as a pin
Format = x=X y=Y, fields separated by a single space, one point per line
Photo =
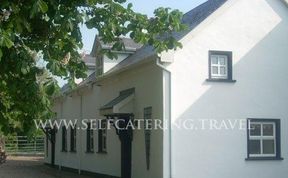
x=197 y=15
x=192 y=19
x=89 y=61
x=65 y=88
x=129 y=44
x=123 y=95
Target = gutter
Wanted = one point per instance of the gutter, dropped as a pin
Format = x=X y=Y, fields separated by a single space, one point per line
x=168 y=173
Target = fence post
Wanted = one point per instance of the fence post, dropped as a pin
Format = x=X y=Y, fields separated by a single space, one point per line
x=35 y=142
x=17 y=144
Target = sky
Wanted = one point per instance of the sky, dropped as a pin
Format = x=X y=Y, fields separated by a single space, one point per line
x=145 y=7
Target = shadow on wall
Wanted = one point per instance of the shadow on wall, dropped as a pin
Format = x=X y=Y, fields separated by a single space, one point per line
x=262 y=79
x=260 y=92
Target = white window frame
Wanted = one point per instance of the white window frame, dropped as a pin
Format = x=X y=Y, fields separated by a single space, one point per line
x=262 y=137
x=218 y=65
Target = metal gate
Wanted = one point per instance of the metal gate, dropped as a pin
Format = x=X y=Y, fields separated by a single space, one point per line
x=22 y=145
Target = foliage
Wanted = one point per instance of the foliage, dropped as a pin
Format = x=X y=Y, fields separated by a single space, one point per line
x=49 y=29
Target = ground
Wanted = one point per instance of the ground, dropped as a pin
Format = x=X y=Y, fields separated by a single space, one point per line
x=32 y=167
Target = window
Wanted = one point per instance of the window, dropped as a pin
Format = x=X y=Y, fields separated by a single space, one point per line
x=64 y=139
x=264 y=139
x=220 y=66
x=99 y=65
x=147 y=133
x=73 y=136
x=90 y=138
x=102 y=136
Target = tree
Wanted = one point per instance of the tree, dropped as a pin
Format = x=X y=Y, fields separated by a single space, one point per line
x=49 y=29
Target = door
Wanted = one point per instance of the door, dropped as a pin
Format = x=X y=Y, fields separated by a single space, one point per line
x=125 y=136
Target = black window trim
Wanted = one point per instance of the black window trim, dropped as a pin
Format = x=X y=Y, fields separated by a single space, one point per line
x=278 y=140
x=100 y=137
x=64 y=140
x=73 y=139
x=229 y=54
x=88 y=138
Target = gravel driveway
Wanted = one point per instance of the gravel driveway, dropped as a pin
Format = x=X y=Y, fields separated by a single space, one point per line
x=32 y=167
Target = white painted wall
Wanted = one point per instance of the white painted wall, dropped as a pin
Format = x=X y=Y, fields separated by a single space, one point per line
x=148 y=92
x=110 y=63
x=256 y=32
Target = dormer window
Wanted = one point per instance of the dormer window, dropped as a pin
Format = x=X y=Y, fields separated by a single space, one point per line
x=220 y=66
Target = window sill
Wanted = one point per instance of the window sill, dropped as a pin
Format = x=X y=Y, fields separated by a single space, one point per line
x=221 y=80
x=102 y=152
x=89 y=152
x=264 y=159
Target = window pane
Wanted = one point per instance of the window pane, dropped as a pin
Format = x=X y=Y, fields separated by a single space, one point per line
x=268 y=147
x=268 y=129
x=222 y=60
x=214 y=70
x=223 y=70
x=214 y=60
x=255 y=129
x=254 y=147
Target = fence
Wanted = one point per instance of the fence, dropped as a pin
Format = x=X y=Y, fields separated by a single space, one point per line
x=22 y=145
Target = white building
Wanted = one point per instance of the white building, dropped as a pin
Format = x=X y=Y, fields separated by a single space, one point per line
x=232 y=68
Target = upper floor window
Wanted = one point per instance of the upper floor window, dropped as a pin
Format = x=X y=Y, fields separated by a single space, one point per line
x=73 y=136
x=264 y=139
x=147 y=133
x=64 y=139
x=220 y=66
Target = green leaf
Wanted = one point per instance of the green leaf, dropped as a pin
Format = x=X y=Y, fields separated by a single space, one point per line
x=25 y=69
x=42 y=6
x=5 y=41
x=50 y=89
x=1 y=54
x=130 y=5
x=54 y=67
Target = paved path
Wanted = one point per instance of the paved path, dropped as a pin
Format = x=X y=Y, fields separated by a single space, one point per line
x=32 y=167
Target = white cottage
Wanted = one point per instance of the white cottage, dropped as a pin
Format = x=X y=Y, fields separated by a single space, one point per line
x=232 y=68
